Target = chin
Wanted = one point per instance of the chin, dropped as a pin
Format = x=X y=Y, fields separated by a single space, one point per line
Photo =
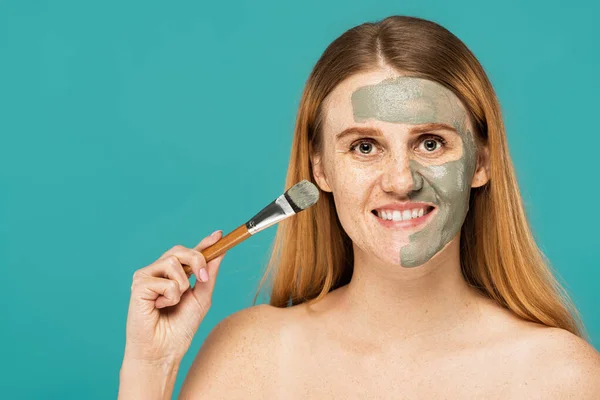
x=389 y=257
x=392 y=256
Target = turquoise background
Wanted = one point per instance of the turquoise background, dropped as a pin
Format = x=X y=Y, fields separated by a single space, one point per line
x=128 y=127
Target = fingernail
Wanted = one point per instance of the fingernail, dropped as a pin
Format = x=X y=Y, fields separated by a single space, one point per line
x=215 y=233
x=203 y=275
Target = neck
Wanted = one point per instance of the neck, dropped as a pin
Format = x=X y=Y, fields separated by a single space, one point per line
x=390 y=301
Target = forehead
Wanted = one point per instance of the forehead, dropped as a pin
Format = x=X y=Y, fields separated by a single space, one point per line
x=389 y=97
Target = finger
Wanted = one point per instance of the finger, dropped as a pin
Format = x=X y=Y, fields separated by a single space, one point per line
x=191 y=257
x=209 y=240
x=163 y=292
x=194 y=259
x=170 y=266
x=203 y=290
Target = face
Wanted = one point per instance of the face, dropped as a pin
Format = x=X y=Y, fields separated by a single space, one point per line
x=403 y=148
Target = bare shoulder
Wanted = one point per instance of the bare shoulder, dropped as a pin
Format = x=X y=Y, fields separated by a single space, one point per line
x=543 y=361
x=567 y=364
x=238 y=357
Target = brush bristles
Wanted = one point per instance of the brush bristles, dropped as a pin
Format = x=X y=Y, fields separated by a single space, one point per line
x=302 y=195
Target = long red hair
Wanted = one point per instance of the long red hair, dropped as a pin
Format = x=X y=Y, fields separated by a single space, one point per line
x=312 y=254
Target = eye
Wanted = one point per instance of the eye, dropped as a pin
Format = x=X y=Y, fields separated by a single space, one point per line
x=365 y=146
x=432 y=143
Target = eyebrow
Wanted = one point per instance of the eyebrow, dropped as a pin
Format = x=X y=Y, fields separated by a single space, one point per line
x=357 y=130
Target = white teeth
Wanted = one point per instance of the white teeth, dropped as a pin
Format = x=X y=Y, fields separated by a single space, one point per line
x=397 y=215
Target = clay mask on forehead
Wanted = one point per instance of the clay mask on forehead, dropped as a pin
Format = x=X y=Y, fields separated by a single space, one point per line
x=411 y=100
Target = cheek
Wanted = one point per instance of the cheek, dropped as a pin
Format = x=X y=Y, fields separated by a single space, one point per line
x=450 y=188
x=351 y=188
x=450 y=181
x=453 y=186
x=351 y=179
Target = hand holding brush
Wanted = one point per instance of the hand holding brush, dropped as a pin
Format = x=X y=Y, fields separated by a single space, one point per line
x=165 y=311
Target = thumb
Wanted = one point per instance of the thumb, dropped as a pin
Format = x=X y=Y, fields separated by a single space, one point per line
x=203 y=290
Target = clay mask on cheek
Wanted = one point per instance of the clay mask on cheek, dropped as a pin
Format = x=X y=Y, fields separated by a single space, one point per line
x=412 y=100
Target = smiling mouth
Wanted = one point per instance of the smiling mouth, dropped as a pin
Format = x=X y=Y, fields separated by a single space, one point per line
x=415 y=214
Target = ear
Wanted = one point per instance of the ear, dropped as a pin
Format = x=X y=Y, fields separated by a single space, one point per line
x=482 y=172
x=319 y=172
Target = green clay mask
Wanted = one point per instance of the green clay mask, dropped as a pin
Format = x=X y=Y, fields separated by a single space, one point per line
x=411 y=100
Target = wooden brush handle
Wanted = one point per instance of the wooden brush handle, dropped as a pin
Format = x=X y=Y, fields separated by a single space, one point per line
x=233 y=238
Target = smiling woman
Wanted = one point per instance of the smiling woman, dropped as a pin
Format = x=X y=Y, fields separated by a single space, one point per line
x=414 y=276
x=421 y=233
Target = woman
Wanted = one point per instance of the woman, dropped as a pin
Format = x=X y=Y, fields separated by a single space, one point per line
x=414 y=276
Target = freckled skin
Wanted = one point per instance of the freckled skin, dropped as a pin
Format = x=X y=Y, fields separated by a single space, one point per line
x=418 y=101
x=394 y=106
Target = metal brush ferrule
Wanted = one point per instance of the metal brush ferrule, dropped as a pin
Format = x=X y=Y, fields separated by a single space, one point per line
x=278 y=210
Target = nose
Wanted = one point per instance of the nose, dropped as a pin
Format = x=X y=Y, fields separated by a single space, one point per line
x=401 y=178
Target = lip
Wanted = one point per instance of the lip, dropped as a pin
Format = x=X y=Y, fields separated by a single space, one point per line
x=419 y=222
x=407 y=205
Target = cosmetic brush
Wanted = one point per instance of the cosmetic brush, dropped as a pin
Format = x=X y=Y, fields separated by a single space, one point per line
x=297 y=198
